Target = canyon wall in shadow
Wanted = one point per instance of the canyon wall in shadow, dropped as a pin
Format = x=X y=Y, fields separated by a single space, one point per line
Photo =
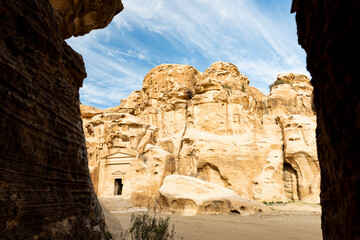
x=330 y=34
x=45 y=187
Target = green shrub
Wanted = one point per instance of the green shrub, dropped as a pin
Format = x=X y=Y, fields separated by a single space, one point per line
x=145 y=227
x=277 y=82
x=108 y=235
x=243 y=88
x=227 y=86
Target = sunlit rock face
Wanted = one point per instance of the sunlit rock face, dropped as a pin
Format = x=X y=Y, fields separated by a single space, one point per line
x=45 y=187
x=293 y=97
x=214 y=127
x=190 y=196
x=330 y=35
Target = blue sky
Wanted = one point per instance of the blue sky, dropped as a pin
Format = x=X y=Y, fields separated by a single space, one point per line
x=258 y=36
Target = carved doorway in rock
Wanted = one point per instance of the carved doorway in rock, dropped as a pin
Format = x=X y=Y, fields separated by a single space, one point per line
x=291 y=182
x=118 y=186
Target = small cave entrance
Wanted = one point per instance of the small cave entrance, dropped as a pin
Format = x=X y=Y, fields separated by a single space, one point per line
x=118 y=186
x=291 y=183
x=235 y=212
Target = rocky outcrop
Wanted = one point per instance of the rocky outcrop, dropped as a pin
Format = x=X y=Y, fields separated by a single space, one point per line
x=330 y=35
x=45 y=187
x=292 y=97
x=190 y=196
x=147 y=175
x=215 y=127
x=80 y=17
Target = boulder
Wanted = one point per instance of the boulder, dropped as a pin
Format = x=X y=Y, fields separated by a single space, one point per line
x=190 y=196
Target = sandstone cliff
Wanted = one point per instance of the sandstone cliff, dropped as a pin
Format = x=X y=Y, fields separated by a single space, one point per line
x=215 y=127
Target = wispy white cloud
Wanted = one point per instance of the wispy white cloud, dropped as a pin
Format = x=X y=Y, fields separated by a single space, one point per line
x=258 y=36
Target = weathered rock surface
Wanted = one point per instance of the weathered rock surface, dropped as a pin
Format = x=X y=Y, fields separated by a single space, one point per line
x=294 y=97
x=110 y=133
x=330 y=35
x=147 y=175
x=191 y=196
x=80 y=17
x=217 y=128
x=45 y=187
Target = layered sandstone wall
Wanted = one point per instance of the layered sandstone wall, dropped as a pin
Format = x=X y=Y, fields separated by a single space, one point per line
x=45 y=188
x=330 y=35
x=217 y=128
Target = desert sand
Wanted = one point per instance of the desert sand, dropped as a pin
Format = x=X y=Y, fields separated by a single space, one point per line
x=231 y=227
x=294 y=221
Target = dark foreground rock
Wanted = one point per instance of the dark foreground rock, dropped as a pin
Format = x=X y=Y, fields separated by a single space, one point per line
x=45 y=187
x=330 y=34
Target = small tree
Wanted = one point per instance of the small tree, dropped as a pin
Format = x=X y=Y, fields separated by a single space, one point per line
x=146 y=227
x=277 y=82
x=227 y=86
x=243 y=88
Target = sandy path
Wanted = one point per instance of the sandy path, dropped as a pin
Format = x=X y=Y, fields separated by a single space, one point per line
x=231 y=227
x=294 y=221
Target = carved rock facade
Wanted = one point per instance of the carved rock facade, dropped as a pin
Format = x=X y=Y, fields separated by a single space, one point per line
x=215 y=127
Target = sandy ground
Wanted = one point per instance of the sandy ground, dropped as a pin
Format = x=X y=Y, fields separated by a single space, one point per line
x=292 y=221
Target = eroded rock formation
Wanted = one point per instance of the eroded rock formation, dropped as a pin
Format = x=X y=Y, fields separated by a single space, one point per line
x=189 y=196
x=330 y=35
x=45 y=187
x=80 y=17
x=215 y=127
